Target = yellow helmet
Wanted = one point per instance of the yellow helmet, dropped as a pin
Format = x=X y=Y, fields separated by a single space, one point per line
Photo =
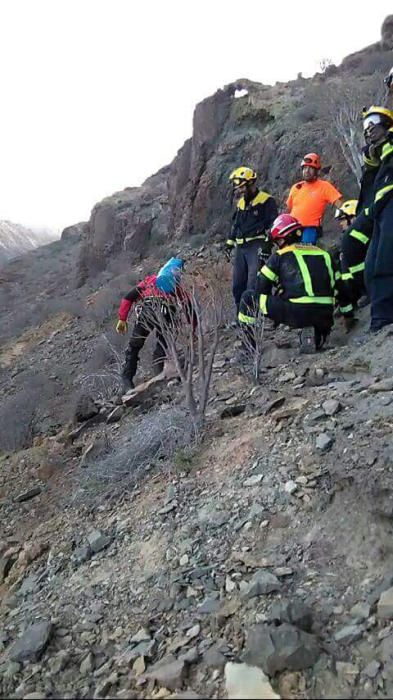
x=242 y=175
x=347 y=209
x=382 y=111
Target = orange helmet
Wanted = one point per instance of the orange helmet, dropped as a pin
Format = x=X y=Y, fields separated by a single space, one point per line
x=313 y=160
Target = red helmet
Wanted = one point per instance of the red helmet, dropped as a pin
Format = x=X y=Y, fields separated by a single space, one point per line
x=313 y=160
x=283 y=225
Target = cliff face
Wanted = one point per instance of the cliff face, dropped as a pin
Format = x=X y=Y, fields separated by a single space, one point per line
x=16 y=240
x=267 y=127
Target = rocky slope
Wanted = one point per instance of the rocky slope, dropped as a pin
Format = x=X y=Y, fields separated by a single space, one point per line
x=269 y=127
x=131 y=573
x=15 y=240
x=137 y=563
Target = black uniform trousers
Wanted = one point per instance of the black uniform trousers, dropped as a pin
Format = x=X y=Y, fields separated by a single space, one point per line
x=245 y=269
x=146 y=323
x=319 y=316
x=379 y=279
x=353 y=253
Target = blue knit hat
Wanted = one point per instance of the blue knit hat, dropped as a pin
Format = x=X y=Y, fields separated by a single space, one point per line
x=169 y=275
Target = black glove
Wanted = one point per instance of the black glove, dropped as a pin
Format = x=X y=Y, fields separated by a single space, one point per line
x=263 y=256
x=228 y=251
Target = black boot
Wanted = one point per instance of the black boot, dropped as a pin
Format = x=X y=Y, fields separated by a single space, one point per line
x=129 y=369
x=321 y=337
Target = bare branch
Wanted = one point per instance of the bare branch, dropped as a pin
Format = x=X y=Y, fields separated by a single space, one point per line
x=344 y=110
x=190 y=329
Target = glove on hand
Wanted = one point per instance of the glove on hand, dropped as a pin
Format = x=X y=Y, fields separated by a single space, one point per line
x=228 y=251
x=122 y=327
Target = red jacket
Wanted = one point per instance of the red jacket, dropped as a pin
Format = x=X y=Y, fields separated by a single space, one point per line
x=145 y=289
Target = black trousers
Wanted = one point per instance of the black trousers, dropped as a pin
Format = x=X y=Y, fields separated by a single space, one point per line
x=245 y=268
x=353 y=253
x=319 y=316
x=145 y=325
x=379 y=287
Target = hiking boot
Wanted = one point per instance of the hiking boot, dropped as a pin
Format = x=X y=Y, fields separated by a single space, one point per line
x=321 y=337
x=307 y=341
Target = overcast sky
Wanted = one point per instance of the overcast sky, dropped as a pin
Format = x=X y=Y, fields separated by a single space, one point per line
x=96 y=95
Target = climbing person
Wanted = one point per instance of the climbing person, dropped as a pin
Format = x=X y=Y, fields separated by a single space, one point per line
x=354 y=246
x=254 y=214
x=307 y=284
x=155 y=300
x=308 y=199
x=376 y=220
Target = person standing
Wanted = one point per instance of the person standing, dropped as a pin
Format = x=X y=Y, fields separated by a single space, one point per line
x=308 y=199
x=376 y=220
x=354 y=246
x=254 y=215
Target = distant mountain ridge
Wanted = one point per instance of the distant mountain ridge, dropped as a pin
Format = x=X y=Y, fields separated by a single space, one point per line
x=16 y=239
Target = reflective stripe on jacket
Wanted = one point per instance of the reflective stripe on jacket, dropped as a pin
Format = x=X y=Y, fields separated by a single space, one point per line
x=377 y=219
x=305 y=275
x=252 y=221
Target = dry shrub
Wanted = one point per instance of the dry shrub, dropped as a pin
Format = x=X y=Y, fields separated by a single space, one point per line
x=103 y=377
x=17 y=418
x=191 y=332
x=150 y=441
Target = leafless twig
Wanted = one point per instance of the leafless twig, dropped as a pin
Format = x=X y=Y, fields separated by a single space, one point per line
x=190 y=328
